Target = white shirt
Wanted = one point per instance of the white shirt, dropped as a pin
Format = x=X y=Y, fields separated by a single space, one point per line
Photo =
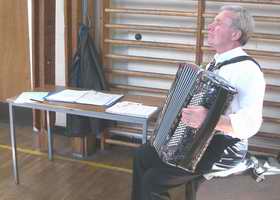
x=245 y=111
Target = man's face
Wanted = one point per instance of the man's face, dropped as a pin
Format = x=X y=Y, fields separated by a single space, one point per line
x=220 y=32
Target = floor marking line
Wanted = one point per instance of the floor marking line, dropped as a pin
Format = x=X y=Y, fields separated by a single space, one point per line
x=90 y=163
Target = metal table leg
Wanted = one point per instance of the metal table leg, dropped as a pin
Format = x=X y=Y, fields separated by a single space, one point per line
x=50 y=138
x=14 y=145
x=145 y=132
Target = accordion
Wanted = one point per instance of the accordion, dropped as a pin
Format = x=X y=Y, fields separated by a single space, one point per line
x=176 y=143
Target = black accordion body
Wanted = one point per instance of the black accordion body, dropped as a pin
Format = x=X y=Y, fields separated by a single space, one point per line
x=176 y=143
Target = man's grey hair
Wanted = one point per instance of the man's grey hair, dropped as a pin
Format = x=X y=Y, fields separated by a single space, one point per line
x=243 y=22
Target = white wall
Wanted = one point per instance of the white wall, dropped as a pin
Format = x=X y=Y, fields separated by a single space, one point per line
x=60 y=54
x=59 y=44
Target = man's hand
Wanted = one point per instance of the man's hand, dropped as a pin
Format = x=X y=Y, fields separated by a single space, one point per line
x=193 y=116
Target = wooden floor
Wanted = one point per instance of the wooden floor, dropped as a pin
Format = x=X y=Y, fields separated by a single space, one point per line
x=41 y=179
x=104 y=176
x=63 y=178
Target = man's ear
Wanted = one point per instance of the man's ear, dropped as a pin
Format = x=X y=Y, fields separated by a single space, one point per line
x=236 y=35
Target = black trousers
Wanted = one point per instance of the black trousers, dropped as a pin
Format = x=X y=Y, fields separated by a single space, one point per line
x=152 y=178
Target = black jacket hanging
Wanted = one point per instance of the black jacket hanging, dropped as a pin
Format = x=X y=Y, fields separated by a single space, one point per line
x=85 y=73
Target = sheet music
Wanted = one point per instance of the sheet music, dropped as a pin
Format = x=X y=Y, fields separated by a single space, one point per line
x=66 y=95
x=132 y=109
x=30 y=97
x=98 y=98
x=91 y=97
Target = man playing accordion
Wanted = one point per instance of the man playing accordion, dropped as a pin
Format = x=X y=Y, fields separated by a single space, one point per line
x=229 y=31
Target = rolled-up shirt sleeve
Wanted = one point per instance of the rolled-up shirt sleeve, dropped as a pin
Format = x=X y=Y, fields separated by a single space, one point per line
x=246 y=110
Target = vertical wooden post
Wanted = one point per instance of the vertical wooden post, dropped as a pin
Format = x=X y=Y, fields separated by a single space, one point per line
x=104 y=50
x=199 y=33
x=67 y=37
x=105 y=33
x=81 y=146
x=43 y=59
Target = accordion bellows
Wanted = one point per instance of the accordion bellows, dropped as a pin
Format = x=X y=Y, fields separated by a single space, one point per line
x=175 y=142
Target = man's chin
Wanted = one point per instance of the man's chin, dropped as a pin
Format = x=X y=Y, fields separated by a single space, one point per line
x=209 y=42
x=210 y=45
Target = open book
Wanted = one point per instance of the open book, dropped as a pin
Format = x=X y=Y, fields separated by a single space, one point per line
x=84 y=97
x=132 y=109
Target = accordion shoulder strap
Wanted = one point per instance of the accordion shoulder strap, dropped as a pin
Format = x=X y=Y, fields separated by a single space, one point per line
x=237 y=59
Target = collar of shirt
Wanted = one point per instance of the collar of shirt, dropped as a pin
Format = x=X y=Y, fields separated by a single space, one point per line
x=229 y=54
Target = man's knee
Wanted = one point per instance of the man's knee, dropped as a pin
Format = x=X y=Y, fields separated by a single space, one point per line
x=142 y=151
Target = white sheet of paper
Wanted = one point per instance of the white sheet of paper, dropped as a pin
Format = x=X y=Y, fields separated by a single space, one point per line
x=26 y=97
x=132 y=109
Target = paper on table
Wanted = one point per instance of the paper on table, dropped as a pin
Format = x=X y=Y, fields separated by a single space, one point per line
x=132 y=109
x=30 y=97
x=98 y=98
x=66 y=95
x=84 y=97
